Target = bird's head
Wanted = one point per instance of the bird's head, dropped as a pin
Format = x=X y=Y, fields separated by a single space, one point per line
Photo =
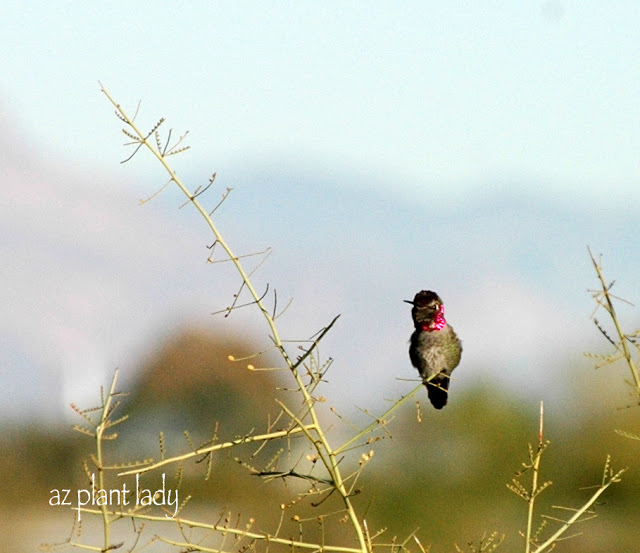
x=428 y=310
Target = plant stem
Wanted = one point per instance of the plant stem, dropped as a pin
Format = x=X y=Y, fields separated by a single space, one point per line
x=534 y=479
x=379 y=420
x=331 y=461
x=621 y=335
x=102 y=426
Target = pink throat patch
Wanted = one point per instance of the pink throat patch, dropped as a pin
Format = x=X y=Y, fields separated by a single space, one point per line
x=438 y=322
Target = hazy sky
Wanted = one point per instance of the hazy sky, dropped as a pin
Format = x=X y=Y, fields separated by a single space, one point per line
x=427 y=102
x=438 y=97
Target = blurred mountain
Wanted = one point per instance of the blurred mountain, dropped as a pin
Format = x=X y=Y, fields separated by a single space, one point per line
x=512 y=268
x=94 y=277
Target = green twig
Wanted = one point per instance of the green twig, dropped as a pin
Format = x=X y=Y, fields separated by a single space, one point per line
x=613 y=478
x=534 y=479
x=379 y=421
x=329 y=455
x=532 y=541
x=216 y=447
x=268 y=538
x=608 y=306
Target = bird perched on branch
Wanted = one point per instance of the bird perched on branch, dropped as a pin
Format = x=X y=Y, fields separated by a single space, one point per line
x=435 y=349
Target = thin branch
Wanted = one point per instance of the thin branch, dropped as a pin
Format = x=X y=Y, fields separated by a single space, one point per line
x=216 y=447
x=291 y=472
x=621 y=335
x=262 y=536
x=211 y=179
x=379 y=421
x=320 y=441
x=584 y=509
x=156 y=193
x=233 y=306
x=224 y=197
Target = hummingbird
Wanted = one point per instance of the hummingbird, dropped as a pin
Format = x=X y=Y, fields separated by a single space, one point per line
x=435 y=349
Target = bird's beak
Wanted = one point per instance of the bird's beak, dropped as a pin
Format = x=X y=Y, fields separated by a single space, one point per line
x=408 y=301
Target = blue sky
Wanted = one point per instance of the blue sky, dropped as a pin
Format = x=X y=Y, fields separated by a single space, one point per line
x=417 y=113
x=434 y=96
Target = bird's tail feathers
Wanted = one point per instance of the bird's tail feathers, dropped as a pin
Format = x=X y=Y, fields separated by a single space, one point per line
x=438 y=390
